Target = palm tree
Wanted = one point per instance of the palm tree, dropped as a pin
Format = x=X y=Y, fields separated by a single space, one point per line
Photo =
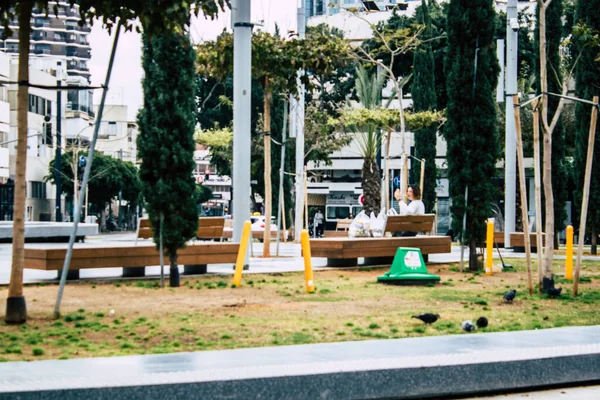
x=368 y=90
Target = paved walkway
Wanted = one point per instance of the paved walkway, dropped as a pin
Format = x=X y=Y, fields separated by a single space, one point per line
x=290 y=259
x=441 y=366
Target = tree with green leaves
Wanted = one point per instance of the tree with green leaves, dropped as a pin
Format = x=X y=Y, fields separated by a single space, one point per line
x=424 y=99
x=108 y=177
x=155 y=16
x=470 y=131
x=587 y=84
x=366 y=123
x=368 y=137
x=275 y=63
x=166 y=141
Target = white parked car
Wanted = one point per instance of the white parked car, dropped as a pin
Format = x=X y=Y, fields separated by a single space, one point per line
x=258 y=223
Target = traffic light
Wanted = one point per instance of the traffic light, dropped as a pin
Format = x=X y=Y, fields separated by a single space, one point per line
x=48 y=134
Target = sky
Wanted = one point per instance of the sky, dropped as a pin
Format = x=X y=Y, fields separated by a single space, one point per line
x=127 y=71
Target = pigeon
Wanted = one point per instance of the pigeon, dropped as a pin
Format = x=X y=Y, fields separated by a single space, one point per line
x=427 y=318
x=510 y=296
x=482 y=322
x=554 y=292
x=468 y=326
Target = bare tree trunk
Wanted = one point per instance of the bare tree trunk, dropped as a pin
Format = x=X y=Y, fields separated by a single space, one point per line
x=174 y=270
x=16 y=309
x=547 y=135
x=267 y=172
x=594 y=249
x=473 y=258
x=523 y=191
x=538 y=193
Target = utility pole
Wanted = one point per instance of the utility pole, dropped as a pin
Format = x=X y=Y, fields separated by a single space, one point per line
x=298 y=127
x=58 y=177
x=242 y=61
x=510 y=144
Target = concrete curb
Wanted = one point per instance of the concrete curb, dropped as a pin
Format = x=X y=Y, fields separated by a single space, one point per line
x=430 y=367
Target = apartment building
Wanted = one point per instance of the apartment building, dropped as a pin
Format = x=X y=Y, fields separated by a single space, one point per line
x=56 y=36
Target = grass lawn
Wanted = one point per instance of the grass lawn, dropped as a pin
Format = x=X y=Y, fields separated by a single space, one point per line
x=270 y=310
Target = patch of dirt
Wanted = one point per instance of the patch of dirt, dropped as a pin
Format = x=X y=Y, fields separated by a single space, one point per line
x=206 y=313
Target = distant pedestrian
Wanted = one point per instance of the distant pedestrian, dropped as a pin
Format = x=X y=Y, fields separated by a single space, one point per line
x=318 y=223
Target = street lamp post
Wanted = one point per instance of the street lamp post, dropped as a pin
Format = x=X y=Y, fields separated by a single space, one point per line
x=58 y=177
x=510 y=144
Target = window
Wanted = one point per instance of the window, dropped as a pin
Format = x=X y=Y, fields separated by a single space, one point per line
x=39 y=105
x=337 y=212
x=109 y=128
x=38 y=190
x=3 y=139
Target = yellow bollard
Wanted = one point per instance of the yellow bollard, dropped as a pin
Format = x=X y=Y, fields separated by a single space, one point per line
x=239 y=265
x=308 y=272
x=489 y=253
x=569 y=261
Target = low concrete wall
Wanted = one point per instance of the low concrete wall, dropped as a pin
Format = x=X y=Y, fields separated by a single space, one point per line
x=47 y=230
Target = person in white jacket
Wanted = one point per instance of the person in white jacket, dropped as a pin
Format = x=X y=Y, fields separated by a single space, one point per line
x=416 y=206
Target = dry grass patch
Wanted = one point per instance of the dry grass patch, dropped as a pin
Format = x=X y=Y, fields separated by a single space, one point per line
x=206 y=313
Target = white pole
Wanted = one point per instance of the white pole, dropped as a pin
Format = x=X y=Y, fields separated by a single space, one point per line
x=242 y=60
x=281 y=175
x=299 y=132
x=510 y=165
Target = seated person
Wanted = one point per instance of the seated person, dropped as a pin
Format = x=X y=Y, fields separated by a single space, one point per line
x=415 y=207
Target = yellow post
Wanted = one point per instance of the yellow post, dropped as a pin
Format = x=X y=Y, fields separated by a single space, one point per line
x=489 y=244
x=308 y=272
x=569 y=262
x=239 y=265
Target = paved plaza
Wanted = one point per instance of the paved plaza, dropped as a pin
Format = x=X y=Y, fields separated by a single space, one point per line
x=289 y=259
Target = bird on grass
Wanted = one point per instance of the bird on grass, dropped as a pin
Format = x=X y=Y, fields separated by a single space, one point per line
x=510 y=296
x=482 y=322
x=428 y=318
x=468 y=326
x=554 y=292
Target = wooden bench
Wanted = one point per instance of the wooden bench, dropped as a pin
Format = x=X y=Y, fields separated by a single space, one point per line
x=341 y=229
x=209 y=228
x=376 y=251
x=409 y=223
x=517 y=241
x=228 y=233
x=132 y=259
x=499 y=239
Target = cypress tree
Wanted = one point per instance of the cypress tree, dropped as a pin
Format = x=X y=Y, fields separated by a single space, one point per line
x=424 y=99
x=560 y=181
x=587 y=83
x=470 y=131
x=166 y=141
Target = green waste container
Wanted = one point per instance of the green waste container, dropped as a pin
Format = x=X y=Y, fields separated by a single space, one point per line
x=408 y=268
